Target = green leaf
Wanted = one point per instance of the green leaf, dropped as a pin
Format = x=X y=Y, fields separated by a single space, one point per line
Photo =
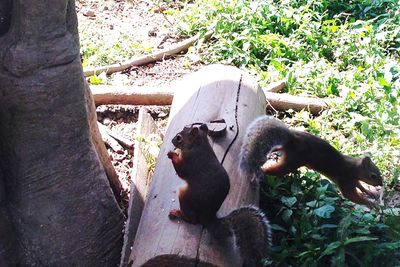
x=288 y=201
x=390 y=245
x=359 y=239
x=325 y=211
x=312 y=203
x=286 y=214
x=328 y=226
x=277 y=227
x=331 y=248
x=95 y=80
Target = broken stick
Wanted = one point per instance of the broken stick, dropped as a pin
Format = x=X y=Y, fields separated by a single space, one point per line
x=175 y=49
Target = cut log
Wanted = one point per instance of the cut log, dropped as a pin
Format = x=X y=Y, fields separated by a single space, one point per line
x=140 y=183
x=212 y=93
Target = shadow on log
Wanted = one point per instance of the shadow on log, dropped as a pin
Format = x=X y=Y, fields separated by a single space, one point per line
x=212 y=93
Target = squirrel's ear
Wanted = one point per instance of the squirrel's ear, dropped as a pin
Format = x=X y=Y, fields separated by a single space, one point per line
x=194 y=131
x=204 y=127
x=366 y=161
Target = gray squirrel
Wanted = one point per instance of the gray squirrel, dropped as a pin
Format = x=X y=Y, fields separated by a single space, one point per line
x=270 y=147
x=207 y=185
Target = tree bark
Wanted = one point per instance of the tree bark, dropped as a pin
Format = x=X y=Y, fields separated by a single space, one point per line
x=55 y=198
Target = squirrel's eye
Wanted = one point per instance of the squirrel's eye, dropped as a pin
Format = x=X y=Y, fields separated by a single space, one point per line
x=179 y=138
x=374 y=176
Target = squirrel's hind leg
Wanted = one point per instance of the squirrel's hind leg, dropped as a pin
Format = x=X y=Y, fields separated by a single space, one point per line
x=186 y=213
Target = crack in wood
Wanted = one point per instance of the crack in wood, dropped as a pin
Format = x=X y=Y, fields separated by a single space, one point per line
x=236 y=120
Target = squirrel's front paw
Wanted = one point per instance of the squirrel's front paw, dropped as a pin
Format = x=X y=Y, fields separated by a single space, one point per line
x=171 y=154
x=175 y=214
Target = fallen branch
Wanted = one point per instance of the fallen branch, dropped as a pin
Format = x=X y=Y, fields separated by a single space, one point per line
x=110 y=141
x=128 y=144
x=129 y=95
x=285 y=102
x=175 y=49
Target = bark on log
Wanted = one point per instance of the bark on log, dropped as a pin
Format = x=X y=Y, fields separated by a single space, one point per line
x=212 y=93
x=141 y=179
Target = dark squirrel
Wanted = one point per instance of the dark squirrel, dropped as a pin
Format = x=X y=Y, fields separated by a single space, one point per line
x=207 y=187
x=271 y=148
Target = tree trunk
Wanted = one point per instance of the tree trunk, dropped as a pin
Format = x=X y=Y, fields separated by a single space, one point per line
x=56 y=205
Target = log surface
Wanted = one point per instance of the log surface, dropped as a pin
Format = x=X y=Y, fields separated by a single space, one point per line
x=213 y=93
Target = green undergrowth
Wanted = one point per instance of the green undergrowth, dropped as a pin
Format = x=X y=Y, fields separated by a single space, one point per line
x=347 y=51
x=313 y=225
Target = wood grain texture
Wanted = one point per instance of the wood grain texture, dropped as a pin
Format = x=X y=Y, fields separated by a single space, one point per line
x=214 y=92
x=140 y=183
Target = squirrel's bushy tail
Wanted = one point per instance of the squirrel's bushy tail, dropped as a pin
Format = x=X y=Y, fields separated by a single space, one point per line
x=252 y=232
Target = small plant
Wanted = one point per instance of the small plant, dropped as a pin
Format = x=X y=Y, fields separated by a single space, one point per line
x=150 y=147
